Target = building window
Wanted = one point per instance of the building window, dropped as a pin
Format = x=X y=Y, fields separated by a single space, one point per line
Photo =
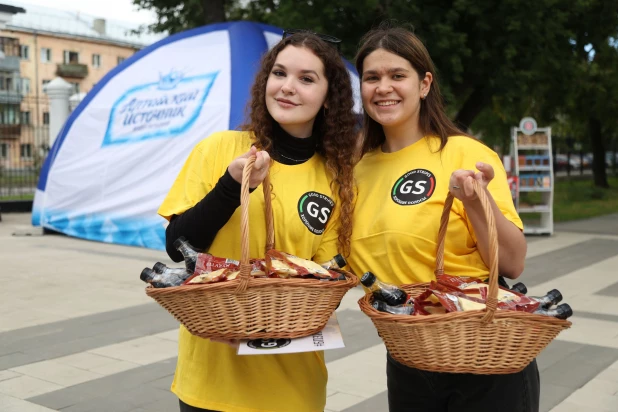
x=121 y=59
x=25 y=86
x=45 y=117
x=25 y=118
x=45 y=55
x=75 y=87
x=9 y=114
x=6 y=82
x=96 y=60
x=25 y=150
x=71 y=57
x=24 y=52
x=4 y=150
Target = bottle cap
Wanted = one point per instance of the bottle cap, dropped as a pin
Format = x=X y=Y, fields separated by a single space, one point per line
x=159 y=267
x=555 y=296
x=564 y=311
x=340 y=261
x=520 y=287
x=146 y=275
x=179 y=241
x=368 y=279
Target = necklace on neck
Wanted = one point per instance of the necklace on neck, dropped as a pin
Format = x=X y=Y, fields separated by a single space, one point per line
x=293 y=160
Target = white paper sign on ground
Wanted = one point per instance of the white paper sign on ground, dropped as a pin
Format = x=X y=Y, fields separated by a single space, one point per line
x=328 y=338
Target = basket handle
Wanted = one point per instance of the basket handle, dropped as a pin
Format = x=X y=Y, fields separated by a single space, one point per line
x=492 y=295
x=245 y=266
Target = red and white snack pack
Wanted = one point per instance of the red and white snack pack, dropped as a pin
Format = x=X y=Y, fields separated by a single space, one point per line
x=460 y=294
x=212 y=269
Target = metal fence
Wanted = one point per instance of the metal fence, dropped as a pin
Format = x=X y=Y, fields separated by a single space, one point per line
x=571 y=159
x=24 y=144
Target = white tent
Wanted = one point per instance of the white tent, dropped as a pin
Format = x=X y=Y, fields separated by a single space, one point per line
x=119 y=152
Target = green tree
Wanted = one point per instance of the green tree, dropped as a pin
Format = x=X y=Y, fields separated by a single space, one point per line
x=497 y=61
x=174 y=16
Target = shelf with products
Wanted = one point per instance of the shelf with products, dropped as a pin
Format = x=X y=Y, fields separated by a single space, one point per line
x=533 y=147
x=533 y=168
x=533 y=172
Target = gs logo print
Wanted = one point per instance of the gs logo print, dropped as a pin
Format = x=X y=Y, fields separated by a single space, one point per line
x=315 y=209
x=414 y=187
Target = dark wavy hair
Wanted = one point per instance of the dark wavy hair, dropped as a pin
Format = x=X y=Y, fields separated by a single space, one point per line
x=334 y=128
x=402 y=42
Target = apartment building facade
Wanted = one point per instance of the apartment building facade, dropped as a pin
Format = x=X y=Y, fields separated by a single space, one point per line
x=40 y=44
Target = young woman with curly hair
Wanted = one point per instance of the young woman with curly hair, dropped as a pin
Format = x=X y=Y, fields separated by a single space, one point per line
x=302 y=131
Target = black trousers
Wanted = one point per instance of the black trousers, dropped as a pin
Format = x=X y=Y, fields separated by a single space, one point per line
x=188 y=408
x=411 y=390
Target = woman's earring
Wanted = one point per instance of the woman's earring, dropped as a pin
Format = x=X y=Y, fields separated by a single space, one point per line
x=424 y=96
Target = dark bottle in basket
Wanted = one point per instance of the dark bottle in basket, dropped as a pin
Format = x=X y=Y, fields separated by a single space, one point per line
x=395 y=310
x=188 y=252
x=520 y=288
x=562 y=311
x=383 y=291
x=337 y=262
x=159 y=280
x=553 y=297
x=162 y=269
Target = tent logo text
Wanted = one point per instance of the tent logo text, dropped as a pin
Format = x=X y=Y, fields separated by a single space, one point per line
x=162 y=109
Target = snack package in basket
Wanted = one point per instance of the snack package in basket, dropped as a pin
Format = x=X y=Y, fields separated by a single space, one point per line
x=214 y=269
x=283 y=265
x=471 y=294
x=460 y=294
x=208 y=263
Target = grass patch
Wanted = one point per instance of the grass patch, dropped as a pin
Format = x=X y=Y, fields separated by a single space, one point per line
x=580 y=199
x=17 y=197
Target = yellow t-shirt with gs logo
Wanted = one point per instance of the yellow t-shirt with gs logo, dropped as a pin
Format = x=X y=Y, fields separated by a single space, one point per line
x=401 y=197
x=210 y=375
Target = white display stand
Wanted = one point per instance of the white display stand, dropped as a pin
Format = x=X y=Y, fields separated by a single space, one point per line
x=535 y=174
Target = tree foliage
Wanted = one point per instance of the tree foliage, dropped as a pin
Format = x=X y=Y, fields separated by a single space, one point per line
x=497 y=61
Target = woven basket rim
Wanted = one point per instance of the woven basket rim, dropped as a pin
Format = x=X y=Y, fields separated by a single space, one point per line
x=258 y=283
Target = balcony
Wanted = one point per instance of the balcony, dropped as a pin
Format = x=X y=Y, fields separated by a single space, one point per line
x=10 y=97
x=9 y=64
x=10 y=131
x=72 y=70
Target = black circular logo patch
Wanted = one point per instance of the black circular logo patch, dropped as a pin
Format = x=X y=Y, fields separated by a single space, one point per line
x=314 y=210
x=414 y=187
x=268 y=343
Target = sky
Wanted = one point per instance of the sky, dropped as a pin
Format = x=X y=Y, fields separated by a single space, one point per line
x=121 y=10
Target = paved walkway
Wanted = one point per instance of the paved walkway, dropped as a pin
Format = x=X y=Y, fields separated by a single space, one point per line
x=78 y=334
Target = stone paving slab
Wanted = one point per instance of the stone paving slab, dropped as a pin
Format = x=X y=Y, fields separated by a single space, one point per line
x=607 y=225
x=579 y=364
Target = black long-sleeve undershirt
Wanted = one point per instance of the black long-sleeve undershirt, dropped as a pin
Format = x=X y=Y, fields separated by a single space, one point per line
x=201 y=223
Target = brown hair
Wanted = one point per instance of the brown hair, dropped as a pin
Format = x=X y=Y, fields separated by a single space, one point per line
x=334 y=127
x=402 y=42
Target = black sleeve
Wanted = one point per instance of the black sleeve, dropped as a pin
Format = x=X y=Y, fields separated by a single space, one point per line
x=200 y=224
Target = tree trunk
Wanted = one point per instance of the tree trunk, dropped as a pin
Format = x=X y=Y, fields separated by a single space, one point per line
x=214 y=11
x=598 y=153
x=474 y=104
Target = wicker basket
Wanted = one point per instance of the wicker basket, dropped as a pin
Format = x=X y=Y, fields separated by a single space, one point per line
x=481 y=341
x=250 y=308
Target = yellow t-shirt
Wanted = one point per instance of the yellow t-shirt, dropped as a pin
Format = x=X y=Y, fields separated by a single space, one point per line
x=210 y=375
x=400 y=200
